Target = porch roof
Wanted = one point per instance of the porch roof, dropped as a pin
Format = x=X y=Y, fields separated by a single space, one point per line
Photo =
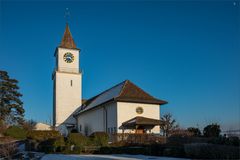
x=139 y=121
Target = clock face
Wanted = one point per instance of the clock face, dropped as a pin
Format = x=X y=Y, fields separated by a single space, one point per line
x=68 y=57
x=139 y=110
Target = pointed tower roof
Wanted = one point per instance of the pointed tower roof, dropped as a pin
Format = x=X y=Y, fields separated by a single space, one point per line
x=67 y=40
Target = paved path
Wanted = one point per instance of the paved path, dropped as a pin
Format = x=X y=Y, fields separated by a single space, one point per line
x=105 y=157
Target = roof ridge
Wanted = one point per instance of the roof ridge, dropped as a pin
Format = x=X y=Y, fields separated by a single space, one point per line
x=101 y=93
x=141 y=89
x=112 y=87
x=125 y=82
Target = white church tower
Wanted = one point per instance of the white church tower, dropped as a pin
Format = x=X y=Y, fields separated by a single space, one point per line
x=67 y=81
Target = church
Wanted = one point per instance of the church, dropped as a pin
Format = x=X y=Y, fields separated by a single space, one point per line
x=123 y=108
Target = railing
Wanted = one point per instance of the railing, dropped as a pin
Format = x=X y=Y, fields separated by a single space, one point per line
x=137 y=138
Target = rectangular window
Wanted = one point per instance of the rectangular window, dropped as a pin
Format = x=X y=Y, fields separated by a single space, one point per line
x=108 y=130
x=71 y=82
x=80 y=128
x=115 y=130
x=111 y=130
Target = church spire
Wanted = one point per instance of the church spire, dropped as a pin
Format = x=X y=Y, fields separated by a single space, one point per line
x=67 y=40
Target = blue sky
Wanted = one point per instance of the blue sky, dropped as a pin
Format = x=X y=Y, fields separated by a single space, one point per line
x=185 y=52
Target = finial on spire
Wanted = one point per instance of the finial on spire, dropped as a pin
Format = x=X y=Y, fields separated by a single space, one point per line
x=67 y=15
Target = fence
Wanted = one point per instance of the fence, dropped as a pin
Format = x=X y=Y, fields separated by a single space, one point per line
x=136 y=138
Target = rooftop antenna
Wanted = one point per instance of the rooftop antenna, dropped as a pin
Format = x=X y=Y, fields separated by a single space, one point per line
x=67 y=15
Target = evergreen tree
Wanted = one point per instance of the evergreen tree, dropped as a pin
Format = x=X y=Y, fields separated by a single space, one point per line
x=11 y=106
x=212 y=130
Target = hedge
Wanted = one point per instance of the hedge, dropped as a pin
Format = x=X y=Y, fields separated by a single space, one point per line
x=211 y=151
x=99 y=139
x=43 y=135
x=75 y=143
x=45 y=141
x=16 y=132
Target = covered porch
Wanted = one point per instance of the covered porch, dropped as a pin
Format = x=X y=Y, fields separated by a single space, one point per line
x=140 y=125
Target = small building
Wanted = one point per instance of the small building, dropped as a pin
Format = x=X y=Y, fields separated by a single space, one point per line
x=42 y=127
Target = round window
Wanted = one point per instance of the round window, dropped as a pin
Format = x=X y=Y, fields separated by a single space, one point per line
x=139 y=110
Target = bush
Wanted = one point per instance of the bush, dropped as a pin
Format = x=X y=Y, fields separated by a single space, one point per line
x=76 y=143
x=77 y=139
x=16 y=132
x=43 y=135
x=99 y=138
x=212 y=130
x=3 y=127
x=179 y=141
x=180 y=133
x=174 y=151
x=45 y=141
x=195 y=131
x=211 y=151
x=52 y=145
x=234 y=141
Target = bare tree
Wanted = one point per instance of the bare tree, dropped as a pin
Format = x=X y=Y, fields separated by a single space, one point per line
x=168 y=124
x=29 y=125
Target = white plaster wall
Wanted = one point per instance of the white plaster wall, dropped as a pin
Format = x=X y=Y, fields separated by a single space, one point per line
x=91 y=121
x=95 y=119
x=126 y=111
x=67 y=67
x=111 y=116
x=68 y=98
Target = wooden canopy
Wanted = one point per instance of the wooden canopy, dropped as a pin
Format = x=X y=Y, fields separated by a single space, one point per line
x=140 y=123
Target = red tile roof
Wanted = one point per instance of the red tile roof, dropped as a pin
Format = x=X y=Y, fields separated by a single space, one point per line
x=67 y=40
x=132 y=93
x=122 y=92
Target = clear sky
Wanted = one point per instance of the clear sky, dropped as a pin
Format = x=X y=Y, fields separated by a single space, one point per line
x=187 y=53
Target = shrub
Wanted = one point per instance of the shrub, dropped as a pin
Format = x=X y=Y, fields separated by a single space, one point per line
x=99 y=138
x=52 y=145
x=174 y=151
x=180 y=133
x=43 y=135
x=3 y=127
x=16 y=132
x=195 y=131
x=76 y=143
x=211 y=151
x=234 y=141
x=212 y=130
x=77 y=139
x=179 y=141
x=45 y=141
